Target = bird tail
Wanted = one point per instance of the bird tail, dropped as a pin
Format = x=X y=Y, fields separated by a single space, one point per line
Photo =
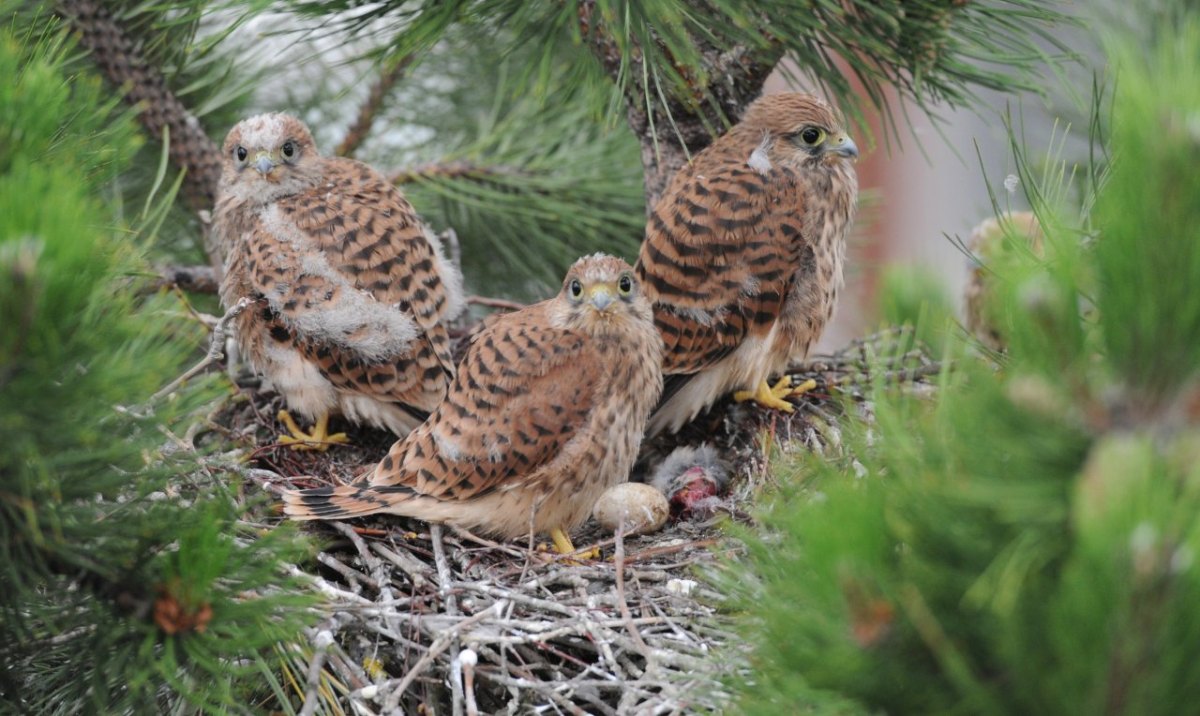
x=345 y=501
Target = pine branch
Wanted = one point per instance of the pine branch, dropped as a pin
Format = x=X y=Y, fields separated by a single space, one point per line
x=671 y=132
x=358 y=131
x=119 y=59
x=452 y=170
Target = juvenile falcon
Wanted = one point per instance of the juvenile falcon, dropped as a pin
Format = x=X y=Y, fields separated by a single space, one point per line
x=351 y=291
x=547 y=411
x=743 y=255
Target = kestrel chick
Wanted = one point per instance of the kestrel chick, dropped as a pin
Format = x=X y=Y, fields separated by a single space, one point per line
x=743 y=255
x=547 y=411
x=351 y=290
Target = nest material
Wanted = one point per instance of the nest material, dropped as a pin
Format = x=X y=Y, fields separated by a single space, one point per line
x=422 y=619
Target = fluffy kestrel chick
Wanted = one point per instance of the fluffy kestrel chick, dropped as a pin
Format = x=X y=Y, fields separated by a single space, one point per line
x=743 y=255
x=350 y=289
x=546 y=412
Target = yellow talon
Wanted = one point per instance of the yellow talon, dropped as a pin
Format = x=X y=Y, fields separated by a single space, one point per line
x=772 y=396
x=769 y=396
x=563 y=545
x=319 y=439
x=803 y=387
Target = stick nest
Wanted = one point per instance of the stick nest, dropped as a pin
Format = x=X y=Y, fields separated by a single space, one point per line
x=425 y=619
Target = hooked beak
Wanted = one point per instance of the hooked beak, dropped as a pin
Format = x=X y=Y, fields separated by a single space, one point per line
x=263 y=163
x=844 y=146
x=601 y=297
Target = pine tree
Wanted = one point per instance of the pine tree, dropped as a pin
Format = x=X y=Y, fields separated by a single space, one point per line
x=124 y=587
x=1026 y=542
x=538 y=131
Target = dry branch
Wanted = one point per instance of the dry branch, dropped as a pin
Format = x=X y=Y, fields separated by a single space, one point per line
x=216 y=349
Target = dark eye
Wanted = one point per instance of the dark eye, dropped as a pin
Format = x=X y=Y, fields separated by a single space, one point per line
x=812 y=136
x=625 y=284
x=289 y=149
x=240 y=153
x=575 y=288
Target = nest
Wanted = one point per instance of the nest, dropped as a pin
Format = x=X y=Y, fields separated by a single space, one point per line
x=426 y=619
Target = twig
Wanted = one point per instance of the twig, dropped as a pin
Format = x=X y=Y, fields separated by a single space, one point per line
x=371 y=561
x=498 y=546
x=544 y=689
x=622 y=604
x=398 y=686
x=353 y=577
x=414 y=568
x=652 y=552
x=501 y=303
x=448 y=598
x=467 y=660
x=452 y=170
x=321 y=643
x=443 y=570
x=216 y=348
x=196 y=279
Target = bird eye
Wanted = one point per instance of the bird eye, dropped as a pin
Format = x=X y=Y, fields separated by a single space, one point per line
x=241 y=154
x=289 y=149
x=575 y=288
x=625 y=284
x=812 y=136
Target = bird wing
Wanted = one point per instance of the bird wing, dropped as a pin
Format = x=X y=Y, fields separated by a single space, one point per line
x=366 y=236
x=719 y=258
x=514 y=406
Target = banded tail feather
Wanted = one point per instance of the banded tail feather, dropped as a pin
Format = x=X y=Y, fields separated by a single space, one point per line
x=343 y=501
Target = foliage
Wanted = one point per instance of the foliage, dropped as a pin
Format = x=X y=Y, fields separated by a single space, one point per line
x=1026 y=542
x=930 y=50
x=121 y=589
x=551 y=184
x=915 y=296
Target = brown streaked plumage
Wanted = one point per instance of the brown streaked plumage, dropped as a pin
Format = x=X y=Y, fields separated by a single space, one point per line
x=351 y=290
x=743 y=254
x=547 y=411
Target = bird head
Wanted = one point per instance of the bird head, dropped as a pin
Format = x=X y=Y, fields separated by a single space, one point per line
x=797 y=129
x=599 y=293
x=269 y=155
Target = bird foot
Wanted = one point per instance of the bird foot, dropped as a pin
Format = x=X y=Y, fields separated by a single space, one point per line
x=319 y=439
x=772 y=396
x=563 y=545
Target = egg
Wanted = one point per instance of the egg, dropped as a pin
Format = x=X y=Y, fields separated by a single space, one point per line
x=642 y=508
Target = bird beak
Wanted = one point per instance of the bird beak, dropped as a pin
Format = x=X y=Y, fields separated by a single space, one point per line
x=844 y=146
x=263 y=163
x=600 y=296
